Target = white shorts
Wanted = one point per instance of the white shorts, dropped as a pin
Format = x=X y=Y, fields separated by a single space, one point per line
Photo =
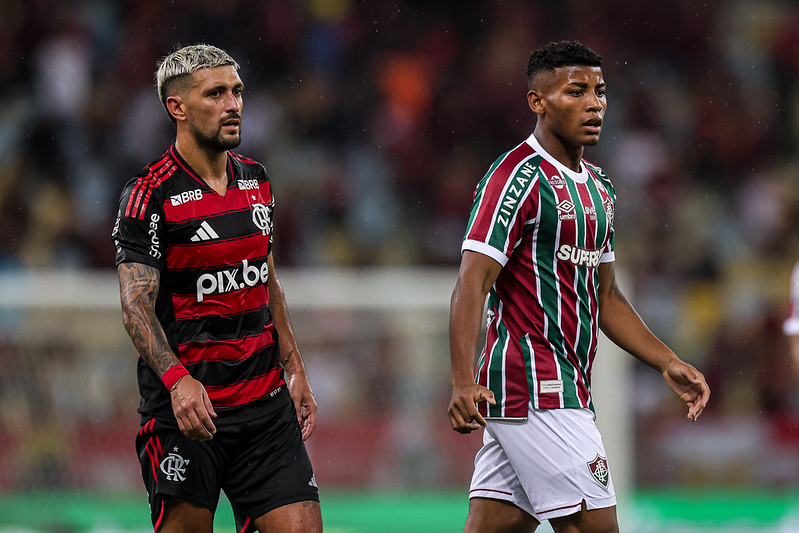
x=546 y=465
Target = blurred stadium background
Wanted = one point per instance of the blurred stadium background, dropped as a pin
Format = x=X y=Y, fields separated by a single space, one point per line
x=376 y=120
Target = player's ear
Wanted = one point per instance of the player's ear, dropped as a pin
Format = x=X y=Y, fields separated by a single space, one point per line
x=535 y=100
x=175 y=107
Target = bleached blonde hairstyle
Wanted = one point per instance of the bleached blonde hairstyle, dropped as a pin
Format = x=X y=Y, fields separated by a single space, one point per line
x=186 y=61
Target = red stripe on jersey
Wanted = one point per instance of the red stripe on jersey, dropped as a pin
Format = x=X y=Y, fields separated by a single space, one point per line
x=195 y=256
x=243 y=159
x=228 y=303
x=232 y=350
x=246 y=391
x=136 y=193
x=145 y=187
x=155 y=184
x=235 y=200
x=492 y=192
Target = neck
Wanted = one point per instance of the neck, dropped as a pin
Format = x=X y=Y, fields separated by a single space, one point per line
x=568 y=155
x=210 y=165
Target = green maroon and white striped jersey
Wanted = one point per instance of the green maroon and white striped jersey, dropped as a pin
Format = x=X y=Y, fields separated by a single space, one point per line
x=550 y=228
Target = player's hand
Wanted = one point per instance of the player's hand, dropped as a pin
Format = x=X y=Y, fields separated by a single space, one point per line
x=304 y=402
x=690 y=385
x=193 y=409
x=463 y=414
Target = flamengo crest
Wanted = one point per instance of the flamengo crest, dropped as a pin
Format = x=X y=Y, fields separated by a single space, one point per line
x=174 y=466
x=599 y=470
x=262 y=218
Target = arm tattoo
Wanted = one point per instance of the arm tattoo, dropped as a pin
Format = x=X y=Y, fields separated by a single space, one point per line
x=138 y=289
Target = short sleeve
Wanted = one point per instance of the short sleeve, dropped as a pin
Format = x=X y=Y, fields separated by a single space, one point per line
x=503 y=205
x=139 y=233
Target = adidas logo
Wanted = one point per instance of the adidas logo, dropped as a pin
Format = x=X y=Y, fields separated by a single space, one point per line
x=204 y=233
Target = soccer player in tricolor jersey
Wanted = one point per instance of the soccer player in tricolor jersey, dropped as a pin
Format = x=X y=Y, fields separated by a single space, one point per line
x=540 y=245
x=791 y=325
x=225 y=399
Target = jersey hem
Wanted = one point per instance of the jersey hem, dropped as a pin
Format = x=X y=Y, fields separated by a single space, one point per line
x=485 y=249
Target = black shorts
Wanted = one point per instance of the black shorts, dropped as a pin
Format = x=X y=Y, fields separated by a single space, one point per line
x=261 y=465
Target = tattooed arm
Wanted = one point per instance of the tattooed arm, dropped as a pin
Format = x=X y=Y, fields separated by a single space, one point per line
x=290 y=358
x=138 y=289
x=622 y=324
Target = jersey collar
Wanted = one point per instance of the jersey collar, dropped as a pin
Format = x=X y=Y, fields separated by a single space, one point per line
x=579 y=177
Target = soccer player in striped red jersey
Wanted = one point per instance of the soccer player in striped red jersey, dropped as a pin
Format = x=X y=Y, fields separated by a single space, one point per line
x=791 y=325
x=540 y=244
x=225 y=399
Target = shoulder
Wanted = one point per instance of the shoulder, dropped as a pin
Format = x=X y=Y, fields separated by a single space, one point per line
x=520 y=162
x=600 y=175
x=248 y=166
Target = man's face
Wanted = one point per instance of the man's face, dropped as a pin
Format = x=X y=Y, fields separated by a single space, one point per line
x=213 y=105
x=571 y=102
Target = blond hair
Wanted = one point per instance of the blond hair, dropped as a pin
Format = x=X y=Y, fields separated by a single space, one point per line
x=186 y=61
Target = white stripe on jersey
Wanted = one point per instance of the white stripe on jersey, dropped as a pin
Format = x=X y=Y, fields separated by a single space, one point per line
x=521 y=200
x=534 y=375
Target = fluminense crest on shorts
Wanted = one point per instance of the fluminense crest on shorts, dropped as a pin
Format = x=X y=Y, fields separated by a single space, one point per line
x=599 y=470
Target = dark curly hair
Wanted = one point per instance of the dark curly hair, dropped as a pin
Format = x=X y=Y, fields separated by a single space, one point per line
x=560 y=54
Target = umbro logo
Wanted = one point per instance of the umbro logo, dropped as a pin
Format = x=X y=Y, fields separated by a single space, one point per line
x=566 y=209
x=204 y=233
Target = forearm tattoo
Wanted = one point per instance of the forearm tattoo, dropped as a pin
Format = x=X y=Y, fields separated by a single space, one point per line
x=138 y=288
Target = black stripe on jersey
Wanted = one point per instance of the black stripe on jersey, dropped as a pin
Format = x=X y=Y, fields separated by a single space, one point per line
x=225 y=373
x=229 y=278
x=224 y=327
x=226 y=225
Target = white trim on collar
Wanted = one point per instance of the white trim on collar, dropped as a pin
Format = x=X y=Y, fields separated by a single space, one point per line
x=579 y=177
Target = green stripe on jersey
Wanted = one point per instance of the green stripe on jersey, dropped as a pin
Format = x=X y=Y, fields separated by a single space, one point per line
x=496 y=369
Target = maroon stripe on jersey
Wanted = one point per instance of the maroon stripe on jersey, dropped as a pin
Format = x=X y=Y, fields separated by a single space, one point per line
x=136 y=193
x=493 y=189
x=228 y=303
x=545 y=369
x=192 y=256
x=226 y=350
x=246 y=391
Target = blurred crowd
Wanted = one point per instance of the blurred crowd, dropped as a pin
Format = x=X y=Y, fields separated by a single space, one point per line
x=376 y=119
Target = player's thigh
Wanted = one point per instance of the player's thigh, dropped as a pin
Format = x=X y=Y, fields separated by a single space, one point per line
x=497 y=516
x=587 y=521
x=271 y=470
x=299 y=517
x=183 y=516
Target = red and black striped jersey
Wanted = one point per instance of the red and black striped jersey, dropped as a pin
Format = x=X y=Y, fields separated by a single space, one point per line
x=213 y=303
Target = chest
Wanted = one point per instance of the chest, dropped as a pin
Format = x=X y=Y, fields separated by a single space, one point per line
x=574 y=213
x=206 y=228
